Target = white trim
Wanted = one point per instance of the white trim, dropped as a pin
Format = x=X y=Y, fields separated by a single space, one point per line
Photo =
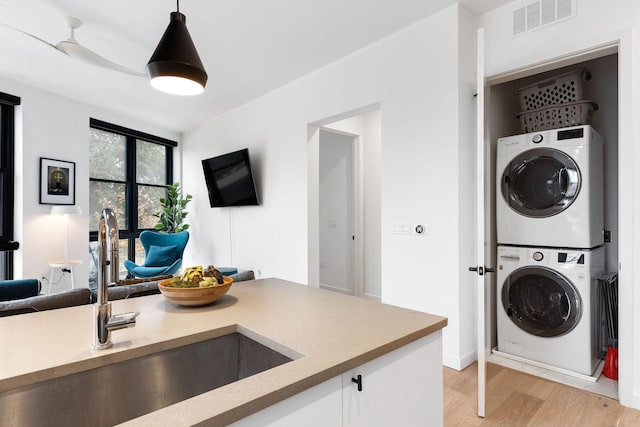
x=358 y=212
x=483 y=294
x=628 y=205
x=313 y=205
x=458 y=363
x=582 y=55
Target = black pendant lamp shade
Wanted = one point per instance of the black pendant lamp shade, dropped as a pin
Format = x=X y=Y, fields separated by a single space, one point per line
x=175 y=65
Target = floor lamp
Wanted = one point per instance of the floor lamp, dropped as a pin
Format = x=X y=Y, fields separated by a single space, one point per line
x=66 y=211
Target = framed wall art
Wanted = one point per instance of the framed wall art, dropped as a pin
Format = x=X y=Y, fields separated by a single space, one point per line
x=57 y=182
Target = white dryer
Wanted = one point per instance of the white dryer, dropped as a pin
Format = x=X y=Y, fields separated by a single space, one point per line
x=550 y=189
x=547 y=305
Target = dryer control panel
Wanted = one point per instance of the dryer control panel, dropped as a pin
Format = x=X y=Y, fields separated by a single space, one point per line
x=570 y=258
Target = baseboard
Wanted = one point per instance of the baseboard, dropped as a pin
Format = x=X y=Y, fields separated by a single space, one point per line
x=635 y=401
x=373 y=297
x=458 y=363
x=335 y=289
x=468 y=359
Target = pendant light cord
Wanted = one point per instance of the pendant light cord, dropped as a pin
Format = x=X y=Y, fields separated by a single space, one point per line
x=177 y=5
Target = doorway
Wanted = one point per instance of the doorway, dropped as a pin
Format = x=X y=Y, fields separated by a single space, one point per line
x=337 y=211
x=502 y=104
x=344 y=214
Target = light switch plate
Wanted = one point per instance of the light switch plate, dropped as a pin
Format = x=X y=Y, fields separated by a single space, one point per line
x=401 y=228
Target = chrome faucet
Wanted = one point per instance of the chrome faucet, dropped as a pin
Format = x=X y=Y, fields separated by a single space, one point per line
x=108 y=273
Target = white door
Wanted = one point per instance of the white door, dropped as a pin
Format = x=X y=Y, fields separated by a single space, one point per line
x=482 y=287
x=336 y=211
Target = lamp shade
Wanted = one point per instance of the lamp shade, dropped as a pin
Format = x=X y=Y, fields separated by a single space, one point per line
x=66 y=210
x=175 y=65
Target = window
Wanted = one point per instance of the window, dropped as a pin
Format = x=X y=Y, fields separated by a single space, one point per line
x=128 y=171
x=7 y=165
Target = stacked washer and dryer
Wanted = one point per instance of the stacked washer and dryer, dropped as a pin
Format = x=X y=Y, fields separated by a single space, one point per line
x=549 y=217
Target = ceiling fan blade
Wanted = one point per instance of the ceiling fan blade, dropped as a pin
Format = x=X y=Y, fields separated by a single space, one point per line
x=28 y=34
x=75 y=50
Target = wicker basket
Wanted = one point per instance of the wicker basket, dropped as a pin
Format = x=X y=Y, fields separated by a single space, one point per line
x=563 y=89
x=557 y=116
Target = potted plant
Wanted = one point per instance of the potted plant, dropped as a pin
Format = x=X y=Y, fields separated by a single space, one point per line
x=173 y=213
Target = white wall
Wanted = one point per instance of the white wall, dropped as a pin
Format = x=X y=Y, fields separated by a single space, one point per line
x=594 y=25
x=413 y=76
x=55 y=127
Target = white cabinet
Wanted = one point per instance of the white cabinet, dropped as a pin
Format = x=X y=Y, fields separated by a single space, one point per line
x=401 y=388
x=319 y=406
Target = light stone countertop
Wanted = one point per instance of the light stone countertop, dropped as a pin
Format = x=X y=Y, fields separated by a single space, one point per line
x=333 y=332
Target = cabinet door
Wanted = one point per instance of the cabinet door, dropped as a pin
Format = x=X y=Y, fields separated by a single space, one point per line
x=402 y=388
x=320 y=406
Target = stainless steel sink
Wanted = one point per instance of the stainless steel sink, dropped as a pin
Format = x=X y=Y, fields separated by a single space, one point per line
x=124 y=390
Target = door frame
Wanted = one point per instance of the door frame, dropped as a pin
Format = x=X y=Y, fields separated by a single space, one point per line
x=313 y=205
x=357 y=207
x=622 y=45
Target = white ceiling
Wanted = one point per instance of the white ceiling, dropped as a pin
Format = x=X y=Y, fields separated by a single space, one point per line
x=248 y=47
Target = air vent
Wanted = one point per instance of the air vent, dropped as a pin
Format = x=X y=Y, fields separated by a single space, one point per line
x=541 y=13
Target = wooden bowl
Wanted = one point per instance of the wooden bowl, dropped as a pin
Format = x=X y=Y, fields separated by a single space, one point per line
x=194 y=296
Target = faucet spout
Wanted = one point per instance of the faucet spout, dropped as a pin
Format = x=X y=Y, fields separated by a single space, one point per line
x=108 y=273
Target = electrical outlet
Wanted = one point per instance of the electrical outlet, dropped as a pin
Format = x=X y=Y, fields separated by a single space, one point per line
x=607 y=236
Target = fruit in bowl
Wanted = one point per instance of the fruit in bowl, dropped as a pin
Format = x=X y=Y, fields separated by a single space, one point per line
x=196 y=286
x=197 y=277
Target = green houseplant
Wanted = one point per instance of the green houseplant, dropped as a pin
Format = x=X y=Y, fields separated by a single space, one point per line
x=173 y=213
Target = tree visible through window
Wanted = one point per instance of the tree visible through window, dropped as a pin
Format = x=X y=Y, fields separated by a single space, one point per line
x=128 y=172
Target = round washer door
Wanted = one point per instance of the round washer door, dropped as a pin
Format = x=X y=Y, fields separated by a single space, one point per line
x=541 y=301
x=541 y=182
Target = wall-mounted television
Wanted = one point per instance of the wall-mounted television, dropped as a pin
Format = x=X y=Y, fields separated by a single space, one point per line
x=229 y=180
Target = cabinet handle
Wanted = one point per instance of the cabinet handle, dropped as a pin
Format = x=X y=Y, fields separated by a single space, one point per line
x=358 y=380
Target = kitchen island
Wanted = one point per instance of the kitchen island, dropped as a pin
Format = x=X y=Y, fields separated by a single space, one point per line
x=331 y=338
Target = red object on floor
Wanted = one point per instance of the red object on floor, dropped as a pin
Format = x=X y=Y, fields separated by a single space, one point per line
x=611 y=363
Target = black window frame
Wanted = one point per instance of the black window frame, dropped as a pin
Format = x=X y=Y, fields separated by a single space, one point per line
x=132 y=232
x=7 y=175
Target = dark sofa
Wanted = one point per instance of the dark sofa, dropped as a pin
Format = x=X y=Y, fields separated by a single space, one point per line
x=81 y=296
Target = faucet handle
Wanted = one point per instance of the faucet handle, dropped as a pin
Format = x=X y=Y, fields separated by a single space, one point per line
x=122 y=320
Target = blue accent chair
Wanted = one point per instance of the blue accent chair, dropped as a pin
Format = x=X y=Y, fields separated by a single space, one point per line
x=163 y=254
x=19 y=288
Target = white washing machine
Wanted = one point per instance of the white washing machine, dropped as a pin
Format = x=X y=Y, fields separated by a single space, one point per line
x=547 y=305
x=550 y=189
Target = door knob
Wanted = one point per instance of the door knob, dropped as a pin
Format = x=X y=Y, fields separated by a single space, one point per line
x=482 y=270
x=479 y=270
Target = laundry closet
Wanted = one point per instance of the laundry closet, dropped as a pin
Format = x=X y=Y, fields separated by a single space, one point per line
x=571 y=350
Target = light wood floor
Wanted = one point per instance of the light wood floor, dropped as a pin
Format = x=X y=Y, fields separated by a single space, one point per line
x=518 y=399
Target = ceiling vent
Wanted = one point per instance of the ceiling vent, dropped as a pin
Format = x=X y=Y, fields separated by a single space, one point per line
x=541 y=13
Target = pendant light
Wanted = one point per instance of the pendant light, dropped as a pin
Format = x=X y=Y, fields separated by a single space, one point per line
x=175 y=66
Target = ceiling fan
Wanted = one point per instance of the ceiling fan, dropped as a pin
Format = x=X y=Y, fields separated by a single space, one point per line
x=72 y=48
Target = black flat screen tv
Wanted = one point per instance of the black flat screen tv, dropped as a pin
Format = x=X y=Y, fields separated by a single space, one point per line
x=229 y=180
